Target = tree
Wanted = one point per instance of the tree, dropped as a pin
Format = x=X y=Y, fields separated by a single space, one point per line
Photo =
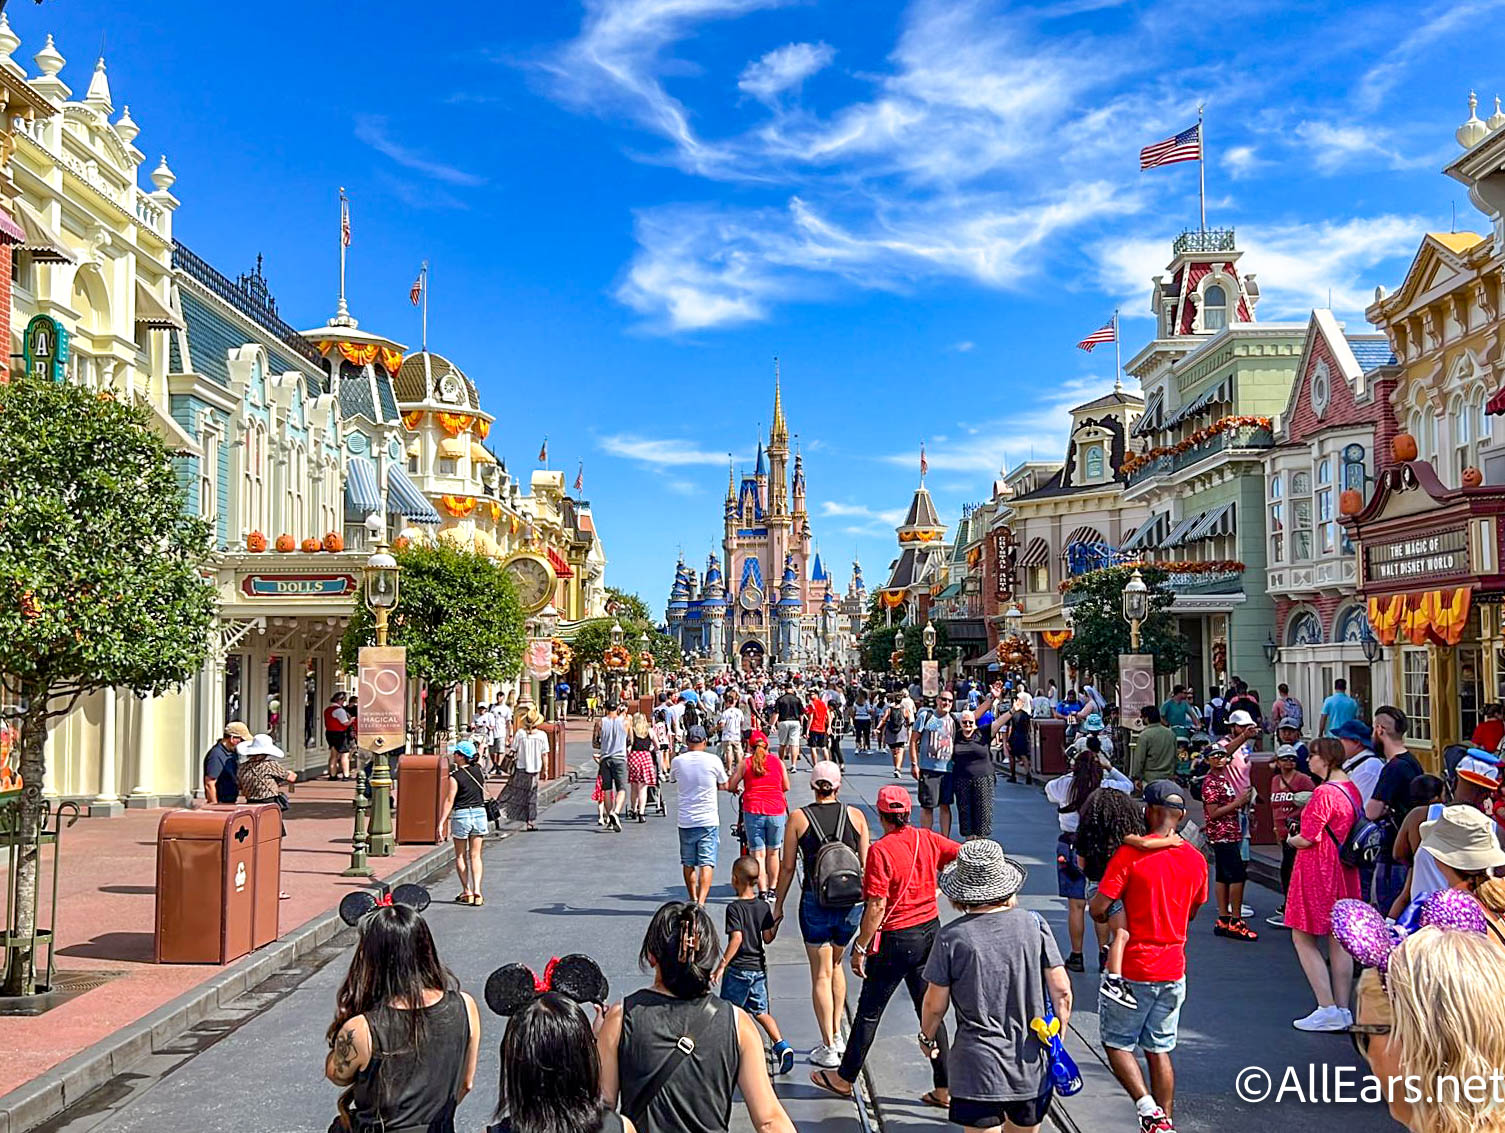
x=877 y=642
x=1099 y=632
x=459 y=618
x=593 y=637
x=101 y=582
x=665 y=650
x=626 y=605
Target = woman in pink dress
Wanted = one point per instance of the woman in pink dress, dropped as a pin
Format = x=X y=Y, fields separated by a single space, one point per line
x=1318 y=881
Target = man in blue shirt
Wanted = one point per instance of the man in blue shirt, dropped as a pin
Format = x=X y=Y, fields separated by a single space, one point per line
x=1338 y=709
x=221 y=765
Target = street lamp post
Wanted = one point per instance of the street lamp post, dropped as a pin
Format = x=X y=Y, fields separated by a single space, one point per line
x=1369 y=643
x=898 y=649
x=616 y=680
x=927 y=635
x=383 y=577
x=1136 y=603
x=548 y=622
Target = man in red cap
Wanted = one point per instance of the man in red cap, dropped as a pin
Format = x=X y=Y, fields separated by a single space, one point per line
x=898 y=928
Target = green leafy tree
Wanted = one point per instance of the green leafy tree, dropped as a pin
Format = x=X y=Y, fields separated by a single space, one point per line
x=459 y=618
x=101 y=582
x=593 y=637
x=666 y=652
x=877 y=642
x=1099 y=632
x=627 y=605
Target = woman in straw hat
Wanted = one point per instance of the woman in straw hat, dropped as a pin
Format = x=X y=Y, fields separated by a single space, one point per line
x=1000 y=967
x=530 y=746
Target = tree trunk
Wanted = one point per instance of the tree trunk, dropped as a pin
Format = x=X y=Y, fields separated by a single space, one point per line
x=433 y=712
x=20 y=976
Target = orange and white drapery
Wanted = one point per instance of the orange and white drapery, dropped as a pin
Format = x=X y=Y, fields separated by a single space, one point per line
x=458 y=506
x=892 y=599
x=1438 y=616
x=365 y=353
x=413 y=420
x=454 y=423
x=1055 y=638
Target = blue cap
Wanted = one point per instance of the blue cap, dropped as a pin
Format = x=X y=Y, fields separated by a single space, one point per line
x=1355 y=731
x=1093 y=723
x=1484 y=756
x=1166 y=793
x=465 y=748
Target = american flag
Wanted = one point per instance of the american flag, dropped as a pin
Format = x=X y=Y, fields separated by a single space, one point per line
x=580 y=478
x=924 y=464
x=1108 y=332
x=344 y=219
x=543 y=451
x=415 y=293
x=1185 y=146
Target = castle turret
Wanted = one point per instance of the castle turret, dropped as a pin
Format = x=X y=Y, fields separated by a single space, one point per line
x=679 y=603
x=778 y=455
x=714 y=605
x=798 y=489
x=790 y=607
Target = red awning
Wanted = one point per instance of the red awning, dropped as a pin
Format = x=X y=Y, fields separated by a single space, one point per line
x=1496 y=404
x=561 y=568
x=10 y=231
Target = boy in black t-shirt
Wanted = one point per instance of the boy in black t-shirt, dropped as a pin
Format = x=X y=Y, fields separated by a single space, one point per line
x=743 y=969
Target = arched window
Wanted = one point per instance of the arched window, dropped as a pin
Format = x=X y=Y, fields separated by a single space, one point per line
x=1350 y=625
x=1214 y=308
x=297 y=482
x=1301 y=516
x=1304 y=629
x=1094 y=462
x=254 y=515
x=209 y=475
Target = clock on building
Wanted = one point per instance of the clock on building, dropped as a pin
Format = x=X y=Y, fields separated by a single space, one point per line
x=534 y=579
x=752 y=598
x=449 y=389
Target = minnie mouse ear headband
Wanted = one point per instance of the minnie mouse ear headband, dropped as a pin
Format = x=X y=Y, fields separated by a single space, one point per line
x=355 y=906
x=512 y=987
x=1363 y=933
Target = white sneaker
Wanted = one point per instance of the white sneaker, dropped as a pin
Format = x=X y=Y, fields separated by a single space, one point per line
x=840 y=1045
x=1347 y=1017
x=1246 y=911
x=1324 y=1019
x=825 y=1056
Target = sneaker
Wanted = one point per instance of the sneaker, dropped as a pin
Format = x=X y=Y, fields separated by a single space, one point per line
x=1220 y=926
x=1246 y=911
x=1240 y=930
x=783 y=1057
x=1277 y=919
x=1324 y=1019
x=840 y=1045
x=1347 y=1017
x=1117 y=989
x=1074 y=963
x=823 y=1056
x=1156 y=1122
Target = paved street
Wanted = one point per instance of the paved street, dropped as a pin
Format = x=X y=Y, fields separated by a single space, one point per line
x=569 y=887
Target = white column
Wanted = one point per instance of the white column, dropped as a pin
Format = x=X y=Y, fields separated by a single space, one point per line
x=143 y=793
x=108 y=785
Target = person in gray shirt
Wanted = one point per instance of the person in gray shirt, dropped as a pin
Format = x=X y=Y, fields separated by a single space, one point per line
x=612 y=760
x=995 y=966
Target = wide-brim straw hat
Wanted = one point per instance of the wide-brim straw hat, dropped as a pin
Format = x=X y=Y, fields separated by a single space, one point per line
x=1463 y=837
x=532 y=719
x=982 y=874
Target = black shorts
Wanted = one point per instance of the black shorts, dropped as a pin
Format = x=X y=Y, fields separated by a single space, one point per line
x=992 y=1115
x=1229 y=867
x=613 y=774
x=339 y=741
x=817 y=740
x=937 y=788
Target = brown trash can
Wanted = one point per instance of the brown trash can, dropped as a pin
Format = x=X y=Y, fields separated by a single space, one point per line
x=1261 y=820
x=1050 y=747
x=206 y=862
x=266 y=876
x=422 y=783
x=553 y=766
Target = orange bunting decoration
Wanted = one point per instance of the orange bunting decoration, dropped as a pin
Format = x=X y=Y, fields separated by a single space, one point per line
x=1385 y=615
x=454 y=423
x=1438 y=616
x=414 y=419
x=391 y=360
x=459 y=506
x=1449 y=616
x=1055 y=638
x=357 y=353
x=893 y=599
x=496 y=512
x=483 y=427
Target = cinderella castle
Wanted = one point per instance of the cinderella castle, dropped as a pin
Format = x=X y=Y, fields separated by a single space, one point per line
x=776 y=604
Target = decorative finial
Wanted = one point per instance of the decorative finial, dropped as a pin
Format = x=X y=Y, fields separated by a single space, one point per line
x=49 y=60
x=1497 y=119
x=1473 y=131
x=163 y=177
x=9 y=40
x=98 y=93
x=125 y=126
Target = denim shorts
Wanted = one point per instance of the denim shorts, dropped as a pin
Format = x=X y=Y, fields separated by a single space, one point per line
x=698 y=845
x=764 y=831
x=745 y=989
x=1070 y=881
x=468 y=823
x=1151 y=1026
x=820 y=925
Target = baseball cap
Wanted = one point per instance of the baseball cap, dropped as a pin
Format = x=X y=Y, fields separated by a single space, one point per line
x=1165 y=792
x=825 y=772
x=695 y=734
x=465 y=748
x=893 y=799
x=1239 y=718
x=1286 y=751
x=756 y=737
x=1355 y=732
x=1289 y=722
x=238 y=730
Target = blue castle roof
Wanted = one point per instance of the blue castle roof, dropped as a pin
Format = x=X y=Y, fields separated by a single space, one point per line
x=818 y=571
x=761 y=468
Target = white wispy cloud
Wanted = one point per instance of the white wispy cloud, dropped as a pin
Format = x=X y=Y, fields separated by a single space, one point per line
x=1444 y=21
x=889 y=516
x=1341 y=147
x=784 y=68
x=964 y=347
x=661 y=452
x=373 y=130
x=1242 y=161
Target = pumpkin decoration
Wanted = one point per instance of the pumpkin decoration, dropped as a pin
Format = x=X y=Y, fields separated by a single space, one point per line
x=1403 y=447
x=1350 y=501
x=1472 y=477
x=401 y=543
x=311 y=546
x=334 y=542
x=286 y=543
x=256 y=542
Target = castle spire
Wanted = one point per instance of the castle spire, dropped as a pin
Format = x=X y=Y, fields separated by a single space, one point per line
x=778 y=436
x=731 y=480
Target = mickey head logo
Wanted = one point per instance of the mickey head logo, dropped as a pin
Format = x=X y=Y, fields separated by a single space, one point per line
x=242 y=832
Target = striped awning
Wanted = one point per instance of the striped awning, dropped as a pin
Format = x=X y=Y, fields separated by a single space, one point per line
x=559 y=563
x=404 y=498
x=154 y=314
x=45 y=245
x=1208 y=397
x=1149 y=420
x=1179 y=532
x=1213 y=524
x=1148 y=533
x=1036 y=554
x=361 y=492
x=1085 y=535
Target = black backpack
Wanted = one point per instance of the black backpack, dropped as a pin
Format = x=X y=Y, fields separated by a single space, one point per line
x=1365 y=839
x=836 y=878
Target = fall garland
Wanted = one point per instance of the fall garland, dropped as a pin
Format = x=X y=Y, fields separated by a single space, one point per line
x=1212 y=566
x=1135 y=461
x=616 y=657
x=1055 y=638
x=562 y=655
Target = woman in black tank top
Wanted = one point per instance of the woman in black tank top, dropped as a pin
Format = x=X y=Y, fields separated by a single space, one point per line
x=660 y=1089
x=550 y=1078
x=404 y=1037
x=824 y=818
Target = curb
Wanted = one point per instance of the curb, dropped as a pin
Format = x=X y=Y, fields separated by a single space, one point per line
x=70 y=1081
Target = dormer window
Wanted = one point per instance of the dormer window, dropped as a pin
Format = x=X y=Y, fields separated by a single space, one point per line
x=1214 y=308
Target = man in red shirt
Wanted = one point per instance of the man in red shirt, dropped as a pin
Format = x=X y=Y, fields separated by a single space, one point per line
x=899 y=923
x=1161 y=891
x=817 y=724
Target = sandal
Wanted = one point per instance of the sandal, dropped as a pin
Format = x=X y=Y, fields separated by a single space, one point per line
x=821 y=1080
x=463 y=899
x=929 y=1098
x=476 y=899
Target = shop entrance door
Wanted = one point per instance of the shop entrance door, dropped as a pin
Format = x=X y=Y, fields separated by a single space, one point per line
x=1196 y=675
x=1360 y=689
x=1470 y=688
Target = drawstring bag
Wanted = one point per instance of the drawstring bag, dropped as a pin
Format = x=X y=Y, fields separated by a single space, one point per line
x=1065 y=1078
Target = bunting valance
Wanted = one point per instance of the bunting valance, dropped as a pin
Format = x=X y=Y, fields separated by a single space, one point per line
x=1438 y=616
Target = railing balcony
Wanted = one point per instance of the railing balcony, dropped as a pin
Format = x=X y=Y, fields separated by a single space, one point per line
x=1204 y=240
x=1157 y=467
x=1198 y=582
x=1247 y=436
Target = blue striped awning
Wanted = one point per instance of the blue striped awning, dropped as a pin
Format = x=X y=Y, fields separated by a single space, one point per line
x=361 y=492
x=404 y=498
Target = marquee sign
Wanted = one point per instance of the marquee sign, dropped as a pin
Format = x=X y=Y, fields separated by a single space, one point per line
x=298 y=585
x=46 y=348
x=1007 y=550
x=1421 y=558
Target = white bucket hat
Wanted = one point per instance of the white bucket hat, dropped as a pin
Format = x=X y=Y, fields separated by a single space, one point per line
x=261 y=744
x=1463 y=837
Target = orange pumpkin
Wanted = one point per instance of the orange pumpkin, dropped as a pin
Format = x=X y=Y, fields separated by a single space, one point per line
x=1403 y=447
x=311 y=546
x=1350 y=502
x=401 y=543
x=334 y=543
x=286 y=543
x=1472 y=477
x=256 y=542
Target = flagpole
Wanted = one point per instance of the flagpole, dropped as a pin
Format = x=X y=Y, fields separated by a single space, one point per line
x=425 y=337
x=1202 y=168
x=1118 y=353
x=341 y=309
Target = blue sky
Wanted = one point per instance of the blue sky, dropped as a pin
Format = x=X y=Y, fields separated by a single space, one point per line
x=631 y=206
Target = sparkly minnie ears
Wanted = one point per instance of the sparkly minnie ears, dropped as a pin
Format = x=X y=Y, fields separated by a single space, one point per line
x=1366 y=936
x=355 y=906
x=511 y=988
